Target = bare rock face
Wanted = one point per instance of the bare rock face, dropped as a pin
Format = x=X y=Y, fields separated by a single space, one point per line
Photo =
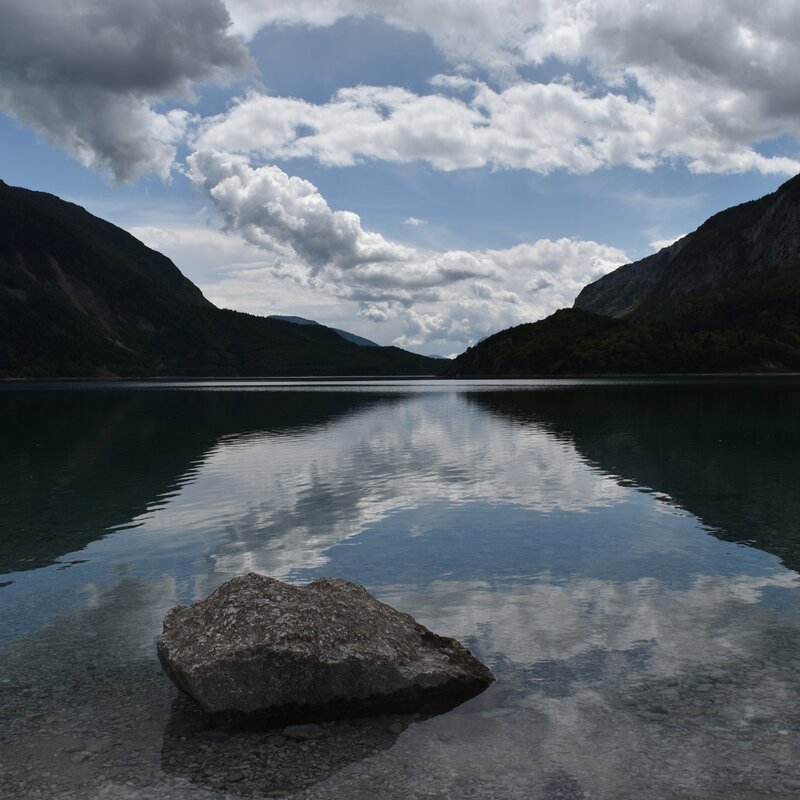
x=761 y=237
x=259 y=652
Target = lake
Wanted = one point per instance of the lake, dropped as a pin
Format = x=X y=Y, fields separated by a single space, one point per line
x=622 y=554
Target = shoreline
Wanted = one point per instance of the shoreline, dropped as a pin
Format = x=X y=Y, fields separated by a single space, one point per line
x=396 y=378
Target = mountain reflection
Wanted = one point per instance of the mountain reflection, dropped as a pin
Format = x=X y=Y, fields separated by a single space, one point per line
x=280 y=477
x=77 y=464
x=725 y=452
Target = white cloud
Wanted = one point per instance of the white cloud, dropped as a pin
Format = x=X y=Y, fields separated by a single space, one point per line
x=666 y=81
x=198 y=246
x=670 y=80
x=415 y=221
x=735 y=44
x=432 y=300
x=233 y=273
x=534 y=126
x=467 y=31
x=89 y=76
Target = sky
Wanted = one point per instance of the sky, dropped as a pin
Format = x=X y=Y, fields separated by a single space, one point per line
x=420 y=173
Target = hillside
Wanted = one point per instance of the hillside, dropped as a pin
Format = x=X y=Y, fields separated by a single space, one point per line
x=753 y=243
x=725 y=298
x=80 y=297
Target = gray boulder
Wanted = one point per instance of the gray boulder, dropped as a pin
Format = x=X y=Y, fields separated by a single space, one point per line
x=259 y=653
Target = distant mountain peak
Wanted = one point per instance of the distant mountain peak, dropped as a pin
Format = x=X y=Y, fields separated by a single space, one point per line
x=351 y=337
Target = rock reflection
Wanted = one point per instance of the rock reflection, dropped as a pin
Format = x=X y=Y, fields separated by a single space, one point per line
x=269 y=763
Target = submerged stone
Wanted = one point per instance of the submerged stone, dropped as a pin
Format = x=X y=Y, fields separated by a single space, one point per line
x=303 y=732
x=259 y=652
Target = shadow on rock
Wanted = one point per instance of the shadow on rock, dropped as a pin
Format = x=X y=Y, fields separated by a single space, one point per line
x=272 y=763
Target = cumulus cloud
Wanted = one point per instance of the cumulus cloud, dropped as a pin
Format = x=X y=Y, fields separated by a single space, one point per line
x=670 y=80
x=433 y=299
x=90 y=76
x=415 y=221
x=734 y=43
x=727 y=45
x=664 y=81
x=534 y=126
x=274 y=210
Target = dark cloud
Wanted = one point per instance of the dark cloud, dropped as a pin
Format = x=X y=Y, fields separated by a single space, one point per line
x=88 y=75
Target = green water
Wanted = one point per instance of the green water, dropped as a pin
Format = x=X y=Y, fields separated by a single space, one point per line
x=622 y=554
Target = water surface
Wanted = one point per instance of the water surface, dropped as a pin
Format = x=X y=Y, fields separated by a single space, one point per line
x=622 y=554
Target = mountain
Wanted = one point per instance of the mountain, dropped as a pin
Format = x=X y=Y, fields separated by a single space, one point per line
x=725 y=298
x=756 y=244
x=351 y=337
x=80 y=297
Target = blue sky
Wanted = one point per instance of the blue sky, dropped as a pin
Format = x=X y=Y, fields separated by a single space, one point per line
x=422 y=173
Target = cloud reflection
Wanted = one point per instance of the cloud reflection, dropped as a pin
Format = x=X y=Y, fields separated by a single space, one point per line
x=619 y=690
x=283 y=501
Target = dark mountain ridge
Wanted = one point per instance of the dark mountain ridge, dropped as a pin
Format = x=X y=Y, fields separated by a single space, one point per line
x=80 y=297
x=725 y=298
x=740 y=243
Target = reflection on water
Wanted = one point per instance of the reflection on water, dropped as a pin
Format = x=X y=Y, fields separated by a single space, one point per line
x=583 y=539
x=727 y=453
x=77 y=464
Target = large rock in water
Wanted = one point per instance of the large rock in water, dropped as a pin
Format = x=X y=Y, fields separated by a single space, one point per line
x=259 y=652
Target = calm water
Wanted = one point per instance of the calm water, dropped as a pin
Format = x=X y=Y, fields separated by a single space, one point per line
x=623 y=556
